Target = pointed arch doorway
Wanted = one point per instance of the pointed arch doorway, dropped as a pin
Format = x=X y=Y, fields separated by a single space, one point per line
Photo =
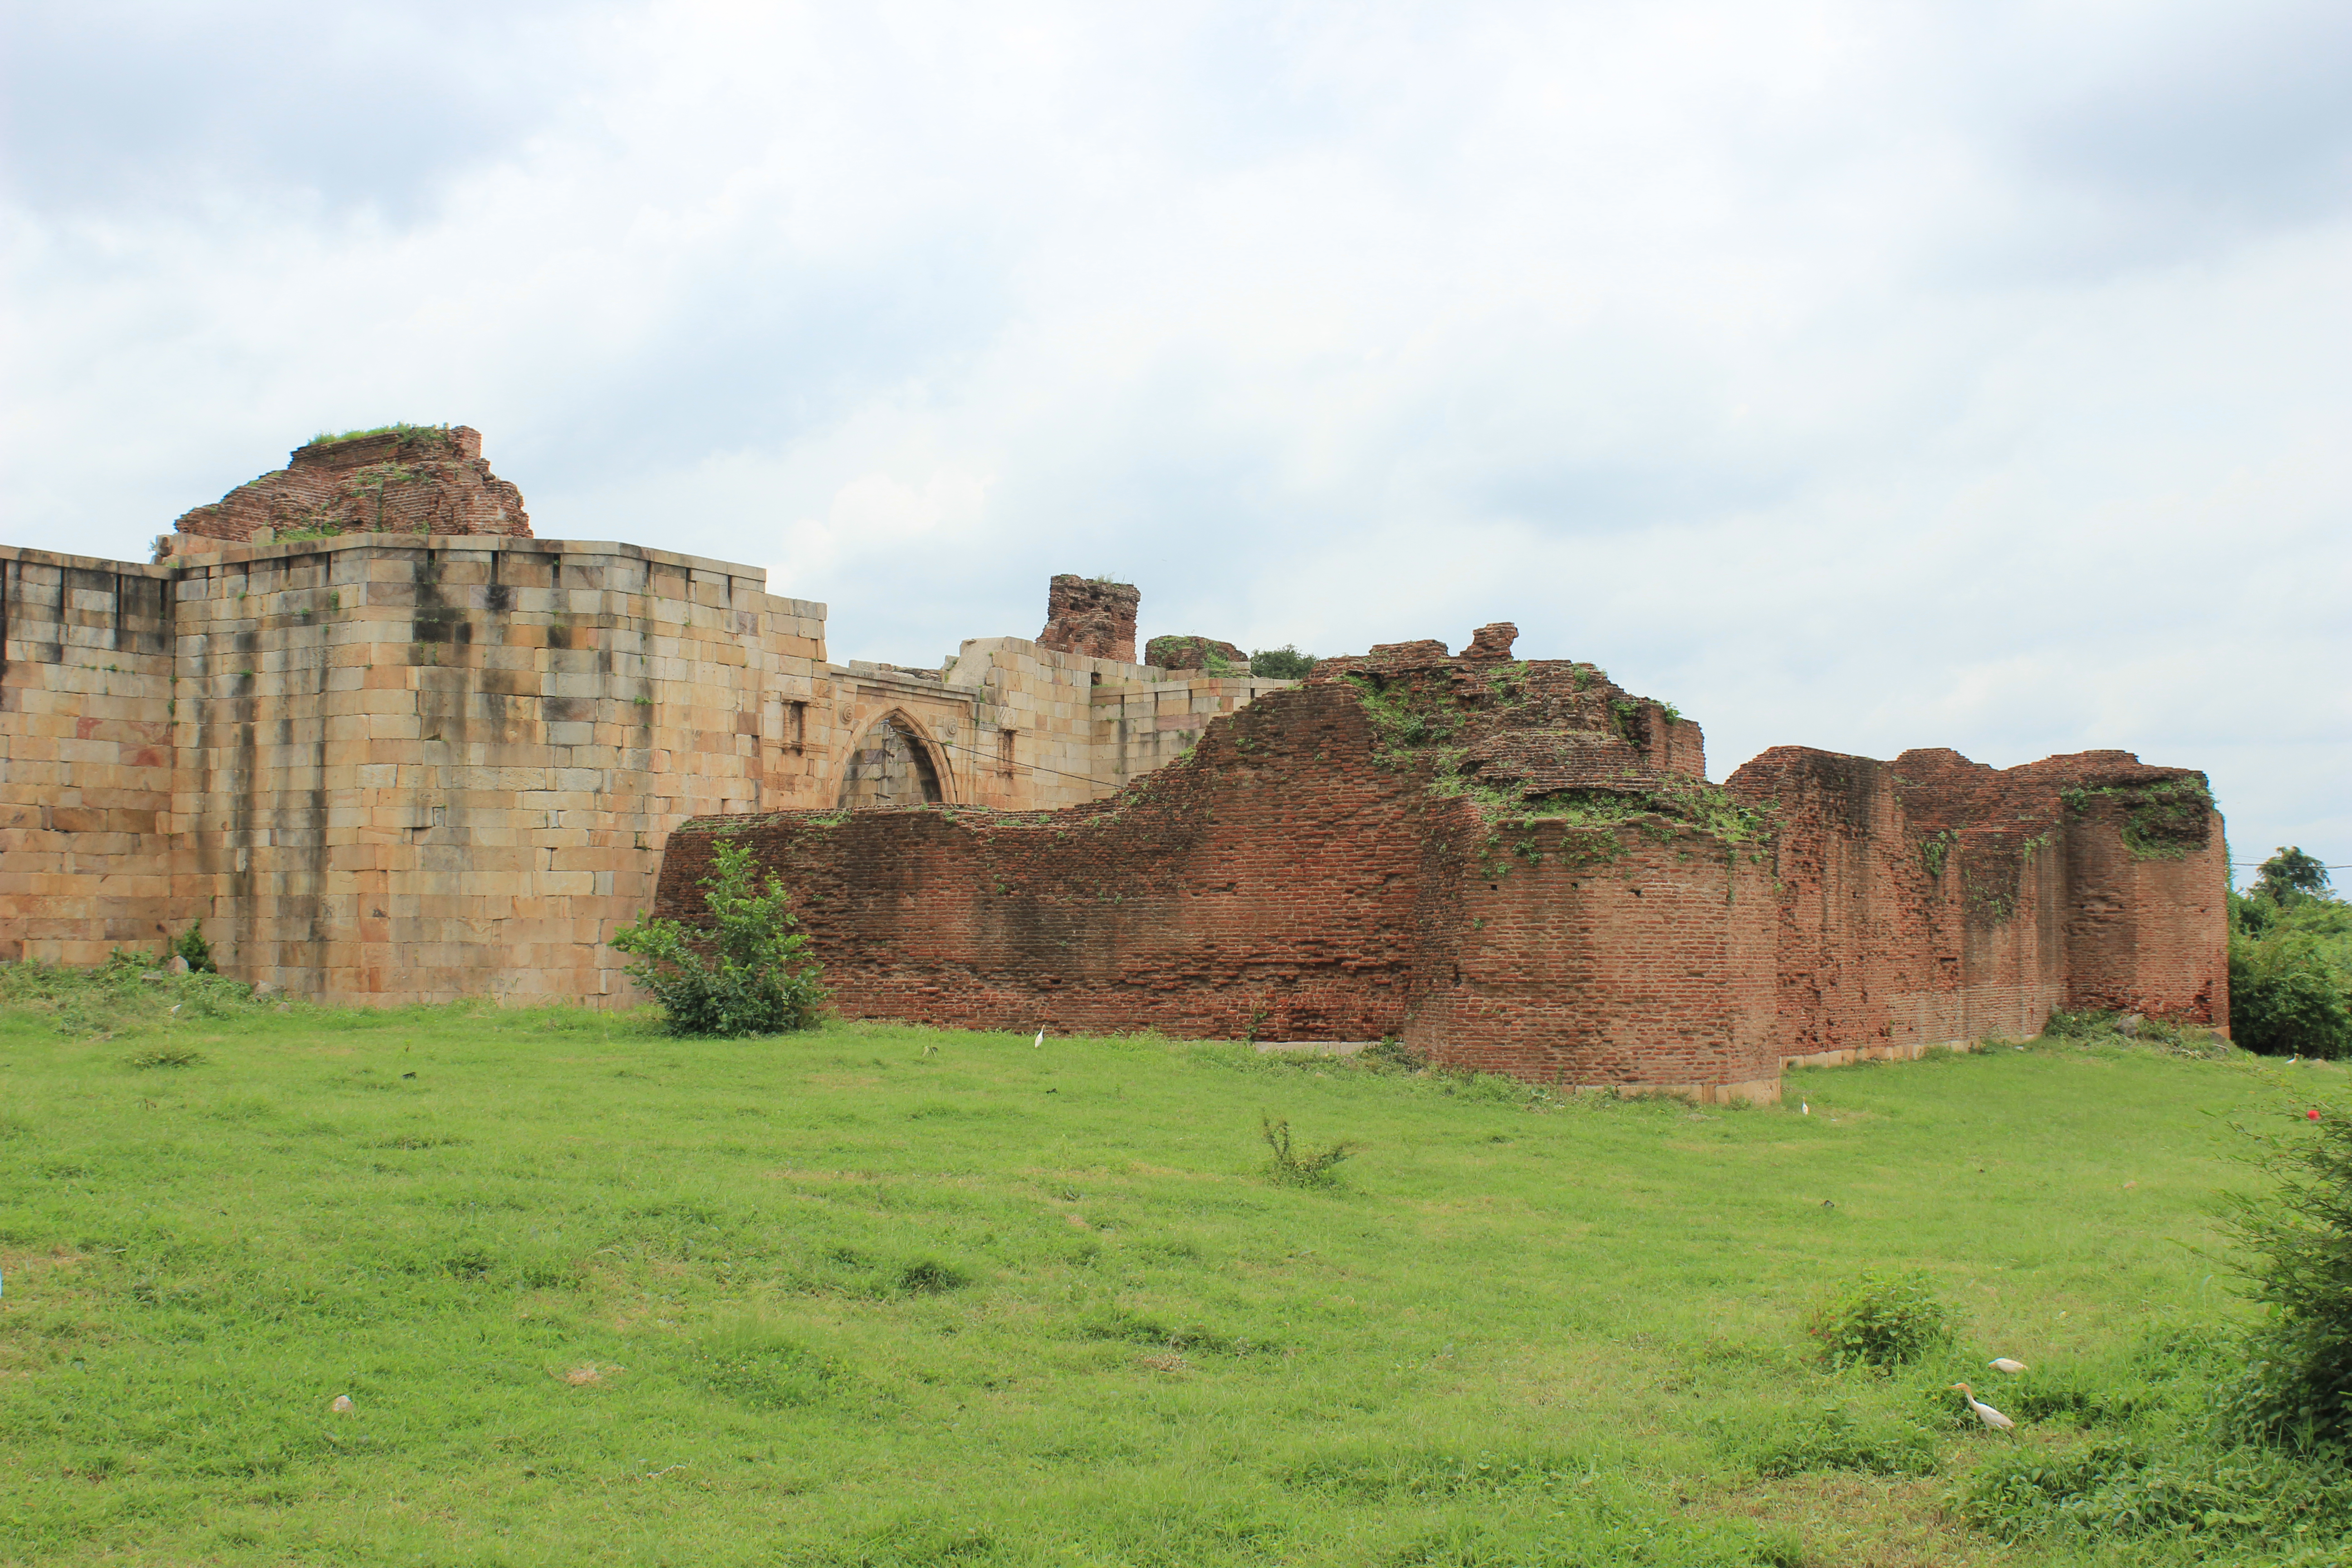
x=891 y=765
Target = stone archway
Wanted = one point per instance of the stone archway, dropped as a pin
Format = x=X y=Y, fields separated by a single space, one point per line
x=891 y=764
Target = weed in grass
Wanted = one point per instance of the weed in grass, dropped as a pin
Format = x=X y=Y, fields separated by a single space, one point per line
x=1300 y=1165
x=1883 y=1319
x=929 y=1277
x=164 y=1056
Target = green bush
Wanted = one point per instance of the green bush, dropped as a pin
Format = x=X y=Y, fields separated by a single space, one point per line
x=1284 y=663
x=2297 y=1384
x=191 y=945
x=2283 y=998
x=1883 y=1320
x=744 y=971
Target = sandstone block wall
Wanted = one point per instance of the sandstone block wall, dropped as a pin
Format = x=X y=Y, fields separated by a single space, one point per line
x=426 y=772
x=386 y=767
x=86 y=756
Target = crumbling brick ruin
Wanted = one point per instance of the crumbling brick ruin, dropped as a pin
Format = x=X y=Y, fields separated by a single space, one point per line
x=397 y=766
x=1090 y=616
x=1519 y=867
x=1195 y=653
x=423 y=480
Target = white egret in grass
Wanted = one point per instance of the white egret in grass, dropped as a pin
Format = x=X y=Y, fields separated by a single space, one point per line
x=2002 y=1363
x=1985 y=1412
x=1039 y=1043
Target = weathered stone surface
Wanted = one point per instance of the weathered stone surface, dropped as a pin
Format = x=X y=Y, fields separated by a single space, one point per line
x=1089 y=617
x=424 y=479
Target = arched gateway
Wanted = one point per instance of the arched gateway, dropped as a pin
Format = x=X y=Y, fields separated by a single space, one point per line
x=891 y=765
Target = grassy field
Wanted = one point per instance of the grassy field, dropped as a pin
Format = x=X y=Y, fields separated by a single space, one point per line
x=892 y=1296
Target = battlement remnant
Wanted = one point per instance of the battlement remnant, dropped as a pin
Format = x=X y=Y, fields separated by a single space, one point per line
x=1196 y=653
x=410 y=478
x=1092 y=616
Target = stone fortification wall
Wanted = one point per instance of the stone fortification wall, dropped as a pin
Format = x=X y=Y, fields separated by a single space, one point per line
x=425 y=771
x=393 y=767
x=418 y=479
x=86 y=756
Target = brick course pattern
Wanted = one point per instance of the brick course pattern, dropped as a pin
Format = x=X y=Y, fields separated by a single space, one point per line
x=1519 y=867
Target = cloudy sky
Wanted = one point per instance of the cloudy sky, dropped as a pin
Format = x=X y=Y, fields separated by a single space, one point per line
x=1864 y=376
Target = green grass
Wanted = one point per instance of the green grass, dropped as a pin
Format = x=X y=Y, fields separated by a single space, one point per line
x=400 y=428
x=892 y=1296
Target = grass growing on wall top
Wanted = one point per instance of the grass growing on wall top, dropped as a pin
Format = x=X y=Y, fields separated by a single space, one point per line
x=887 y=1295
x=331 y=437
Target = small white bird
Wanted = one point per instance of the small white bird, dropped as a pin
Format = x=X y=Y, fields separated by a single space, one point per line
x=1985 y=1412
x=1039 y=1043
x=1805 y=1106
x=2002 y=1363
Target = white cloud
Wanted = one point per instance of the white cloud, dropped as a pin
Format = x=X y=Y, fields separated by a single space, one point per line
x=1855 y=375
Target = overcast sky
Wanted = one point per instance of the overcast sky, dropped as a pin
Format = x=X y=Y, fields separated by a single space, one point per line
x=1863 y=376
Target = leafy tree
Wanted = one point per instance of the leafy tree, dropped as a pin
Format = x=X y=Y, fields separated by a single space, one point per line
x=2290 y=874
x=1284 y=663
x=744 y=971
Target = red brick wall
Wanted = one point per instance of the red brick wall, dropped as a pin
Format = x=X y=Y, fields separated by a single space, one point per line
x=2145 y=934
x=1634 y=955
x=1933 y=899
x=1248 y=887
x=1297 y=878
x=1290 y=880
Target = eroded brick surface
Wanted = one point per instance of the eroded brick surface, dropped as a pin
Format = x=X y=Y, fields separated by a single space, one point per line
x=429 y=480
x=1518 y=867
x=1183 y=652
x=1089 y=617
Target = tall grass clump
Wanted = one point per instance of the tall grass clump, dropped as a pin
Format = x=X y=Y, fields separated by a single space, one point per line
x=745 y=970
x=1299 y=1164
x=1883 y=1319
